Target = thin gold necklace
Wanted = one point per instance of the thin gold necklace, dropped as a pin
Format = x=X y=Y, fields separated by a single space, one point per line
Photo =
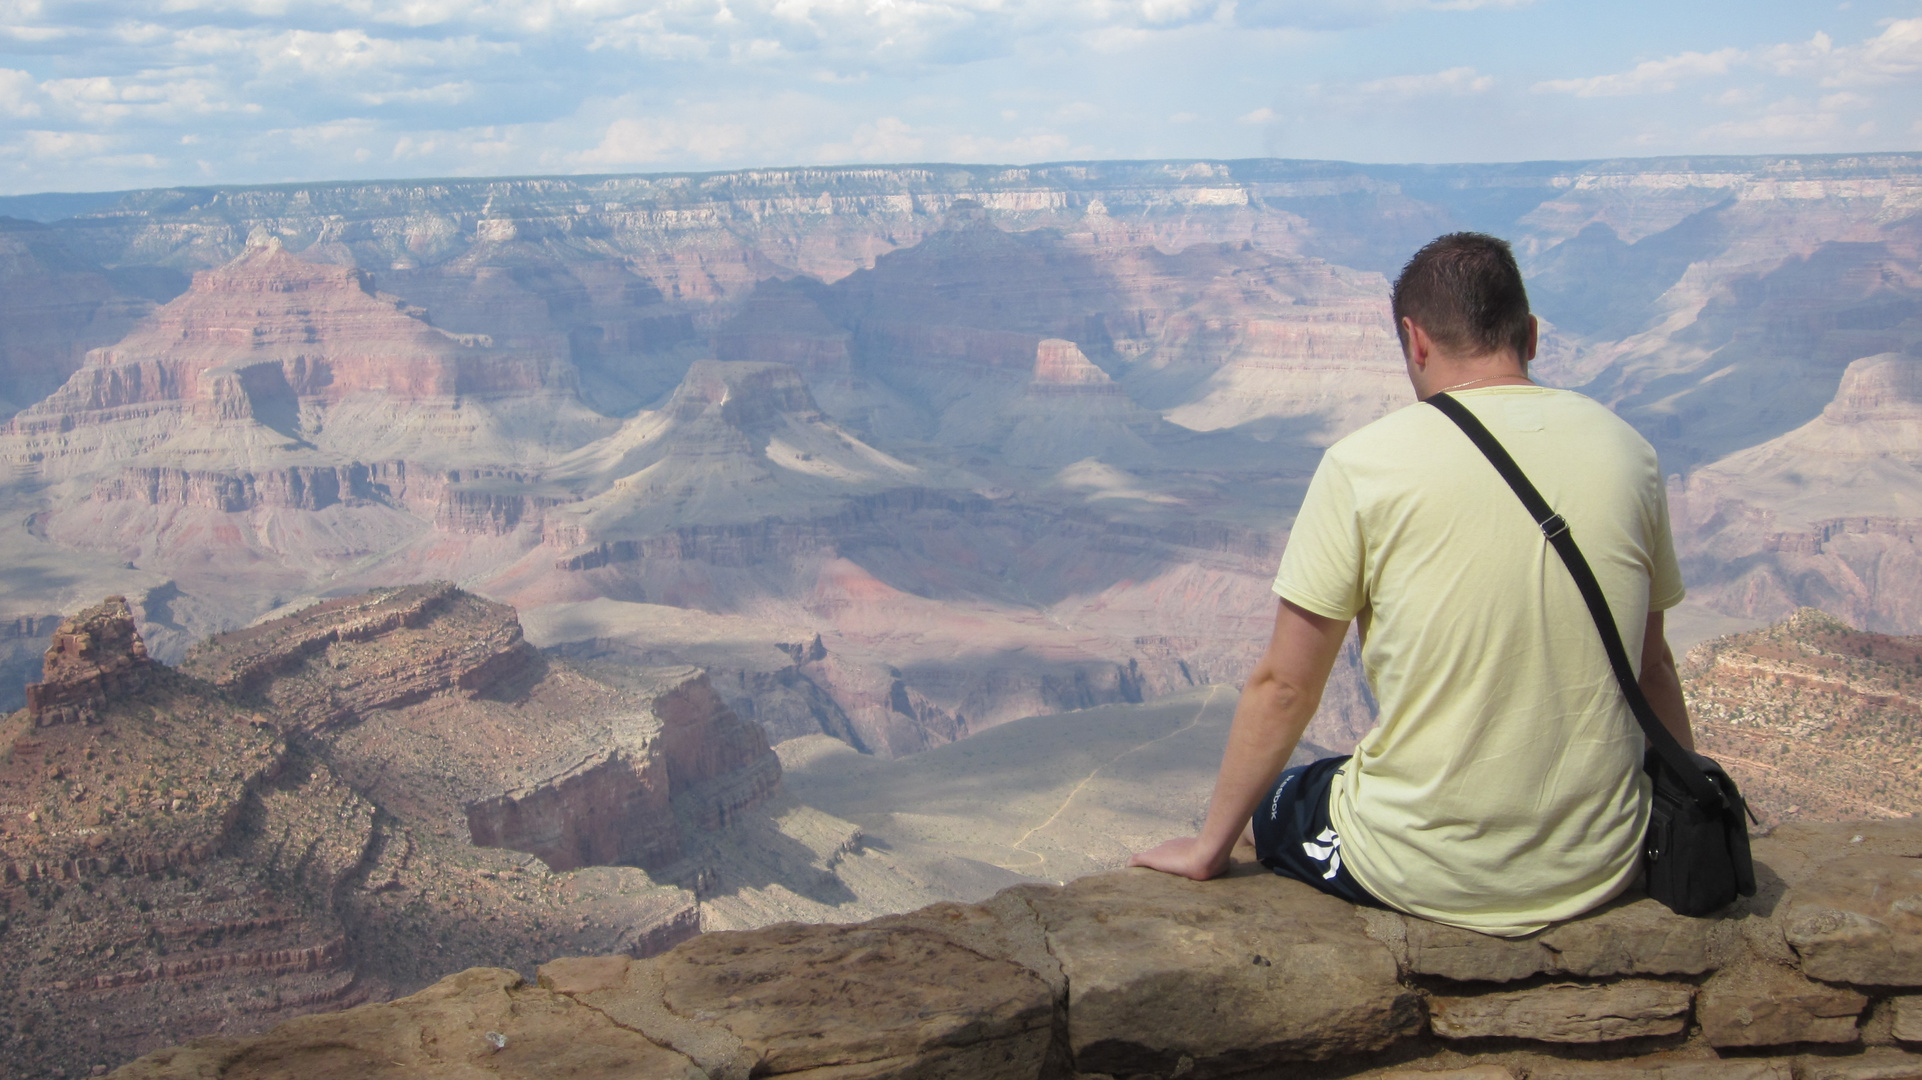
x=1484 y=378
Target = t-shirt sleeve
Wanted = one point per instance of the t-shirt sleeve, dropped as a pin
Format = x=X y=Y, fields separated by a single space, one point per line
x=1665 y=589
x=1321 y=568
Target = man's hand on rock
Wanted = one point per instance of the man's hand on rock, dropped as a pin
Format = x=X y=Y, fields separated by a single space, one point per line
x=1185 y=856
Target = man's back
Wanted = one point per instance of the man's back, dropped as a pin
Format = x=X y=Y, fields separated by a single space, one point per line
x=1501 y=789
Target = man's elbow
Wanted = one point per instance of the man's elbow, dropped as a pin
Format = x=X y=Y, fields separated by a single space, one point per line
x=1279 y=696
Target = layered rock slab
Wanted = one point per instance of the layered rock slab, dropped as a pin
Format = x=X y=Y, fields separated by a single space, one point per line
x=481 y=1022
x=1565 y=1013
x=1860 y=921
x=1626 y=936
x=819 y=1001
x=1150 y=959
x=1769 y=1005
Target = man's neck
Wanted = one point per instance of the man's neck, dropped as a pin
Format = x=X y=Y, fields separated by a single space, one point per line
x=1442 y=377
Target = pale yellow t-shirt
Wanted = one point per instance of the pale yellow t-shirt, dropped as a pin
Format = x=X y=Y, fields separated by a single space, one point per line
x=1501 y=789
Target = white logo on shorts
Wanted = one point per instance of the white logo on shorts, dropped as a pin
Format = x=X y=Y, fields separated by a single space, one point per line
x=1328 y=851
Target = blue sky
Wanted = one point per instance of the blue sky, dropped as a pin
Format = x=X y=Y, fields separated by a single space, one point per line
x=100 y=96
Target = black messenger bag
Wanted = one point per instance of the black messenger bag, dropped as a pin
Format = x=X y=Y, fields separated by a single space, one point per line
x=1697 y=845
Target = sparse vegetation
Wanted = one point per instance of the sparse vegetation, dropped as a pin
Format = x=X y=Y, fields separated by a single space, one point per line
x=1812 y=718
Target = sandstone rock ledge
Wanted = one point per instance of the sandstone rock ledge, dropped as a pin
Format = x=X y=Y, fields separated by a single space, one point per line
x=1134 y=974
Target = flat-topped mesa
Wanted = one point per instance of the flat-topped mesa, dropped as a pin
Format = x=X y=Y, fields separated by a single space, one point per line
x=1061 y=367
x=1878 y=388
x=95 y=655
x=338 y=660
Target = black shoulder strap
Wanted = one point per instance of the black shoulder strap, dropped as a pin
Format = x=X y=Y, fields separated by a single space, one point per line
x=1555 y=528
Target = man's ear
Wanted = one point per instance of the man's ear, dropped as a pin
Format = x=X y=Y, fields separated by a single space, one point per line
x=1417 y=345
x=1534 y=339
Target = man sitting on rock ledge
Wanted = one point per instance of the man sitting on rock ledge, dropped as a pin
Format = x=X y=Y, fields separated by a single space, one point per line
x=1501 y=789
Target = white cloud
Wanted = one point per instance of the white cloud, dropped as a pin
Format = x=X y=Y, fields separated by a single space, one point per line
x=1649 y=76
x=344 y=53
x=638 y=141
x=33 y=34
x=1455 y=82
x=1894 y=55
x=447 y=93
x=1897 y=52
x=1036 y=146
x=1816 y=56
x=887 y=139
x=107 y=101
x=1846 y=99
x=1263 y=115
x=18 y=94
x=1787 y=122
x=328 y=136
x=67 y=144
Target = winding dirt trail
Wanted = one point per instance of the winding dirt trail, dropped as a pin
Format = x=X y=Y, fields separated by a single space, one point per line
x=1037 y=857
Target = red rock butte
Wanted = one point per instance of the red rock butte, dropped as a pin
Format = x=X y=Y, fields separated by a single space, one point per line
x=94 y=655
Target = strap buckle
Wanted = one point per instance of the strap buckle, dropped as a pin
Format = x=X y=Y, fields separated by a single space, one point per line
x=1555 y=526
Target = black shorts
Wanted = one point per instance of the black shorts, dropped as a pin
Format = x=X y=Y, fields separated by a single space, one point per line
x=1295 y=838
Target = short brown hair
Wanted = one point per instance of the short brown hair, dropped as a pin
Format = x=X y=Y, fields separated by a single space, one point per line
x=1465 y=290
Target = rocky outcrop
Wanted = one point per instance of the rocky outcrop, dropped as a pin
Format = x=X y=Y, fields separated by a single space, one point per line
x=339 y=660
x=1814 y=718
x=95 y=655
x=617 y=807
x=1142 y=975
x=610 y=809
x=273 y=325
x=170 y=857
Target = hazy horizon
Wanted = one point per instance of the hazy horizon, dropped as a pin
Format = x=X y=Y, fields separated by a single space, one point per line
x=83 y=200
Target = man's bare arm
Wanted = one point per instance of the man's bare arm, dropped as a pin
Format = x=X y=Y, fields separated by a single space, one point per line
x=1276 y=705
x=1661 y=684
